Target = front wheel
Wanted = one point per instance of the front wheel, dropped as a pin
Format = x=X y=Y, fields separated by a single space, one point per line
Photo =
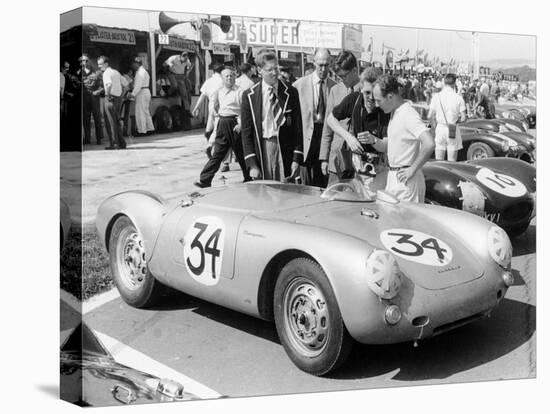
x=137 y=286
x=308 y=318
x=479 y=150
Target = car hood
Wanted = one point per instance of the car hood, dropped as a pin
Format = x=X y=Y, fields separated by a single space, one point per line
x=446 y=225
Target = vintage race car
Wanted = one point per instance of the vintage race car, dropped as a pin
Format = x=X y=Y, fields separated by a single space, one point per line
x=502 y=190
x=328 y=267
x=481 y=139
x=90 y=376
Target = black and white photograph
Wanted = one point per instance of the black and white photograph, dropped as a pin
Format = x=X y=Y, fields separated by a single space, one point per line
x=256 y=206
x=275 y=206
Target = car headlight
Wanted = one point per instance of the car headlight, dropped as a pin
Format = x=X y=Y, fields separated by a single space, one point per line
x=383 y=274
x=500 y=247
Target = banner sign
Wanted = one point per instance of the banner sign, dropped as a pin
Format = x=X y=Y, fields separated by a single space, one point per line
x=285 y=34
x=121 y=37
x=352 y=39
x=175 y=43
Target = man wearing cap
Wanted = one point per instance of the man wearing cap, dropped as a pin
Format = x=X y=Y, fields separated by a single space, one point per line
x=113 y=83
x=90 y=103
x=142 y=95
x=409 y=143
x=313 y=90
x=448 y=108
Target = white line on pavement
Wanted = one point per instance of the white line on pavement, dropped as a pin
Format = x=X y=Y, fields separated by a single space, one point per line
x=90 y=304
x=128 y=356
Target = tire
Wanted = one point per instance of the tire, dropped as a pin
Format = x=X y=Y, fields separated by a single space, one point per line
x=163 y=120
x=177 y=121
x=479 y=150
x=137 y=286
x=303 y=290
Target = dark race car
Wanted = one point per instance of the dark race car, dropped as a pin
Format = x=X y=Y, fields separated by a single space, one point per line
x=500 y=190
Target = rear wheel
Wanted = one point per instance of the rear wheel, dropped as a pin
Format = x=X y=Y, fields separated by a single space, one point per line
x=479 y=150
x=137 y=286
x=308 y=319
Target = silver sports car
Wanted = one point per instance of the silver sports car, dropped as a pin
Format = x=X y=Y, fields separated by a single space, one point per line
x=329 y=267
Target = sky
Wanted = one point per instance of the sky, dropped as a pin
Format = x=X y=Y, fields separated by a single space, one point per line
x=447 y=43
x=435 y=42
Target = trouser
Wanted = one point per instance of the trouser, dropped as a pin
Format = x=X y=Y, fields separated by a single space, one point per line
x=272 y=159
x=91 y=107
x=226 y=139
x=112 y=121
x=414 y=190
x=314 y=174
x=179 y=83
x=144 y=122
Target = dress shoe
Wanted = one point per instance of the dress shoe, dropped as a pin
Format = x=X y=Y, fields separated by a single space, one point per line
x=225 y=168
x=200 y=184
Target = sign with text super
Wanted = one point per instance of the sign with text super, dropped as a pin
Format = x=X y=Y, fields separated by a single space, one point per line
x=289 y=34
x=122 y=37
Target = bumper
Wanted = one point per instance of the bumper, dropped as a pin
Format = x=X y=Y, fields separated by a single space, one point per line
x=429 y=312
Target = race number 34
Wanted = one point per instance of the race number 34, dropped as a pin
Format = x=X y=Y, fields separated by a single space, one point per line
x=503 y=184
x=203 y=249
x=417 y=247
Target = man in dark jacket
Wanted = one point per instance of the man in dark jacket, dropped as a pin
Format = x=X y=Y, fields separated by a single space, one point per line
x=271 y=124
x=91 y=81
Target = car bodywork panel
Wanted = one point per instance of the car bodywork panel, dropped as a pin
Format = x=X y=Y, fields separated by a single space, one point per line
x=256 y=222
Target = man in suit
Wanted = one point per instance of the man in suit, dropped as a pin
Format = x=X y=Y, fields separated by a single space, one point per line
x=271 y=124
x=313 y=90
x=335 y=157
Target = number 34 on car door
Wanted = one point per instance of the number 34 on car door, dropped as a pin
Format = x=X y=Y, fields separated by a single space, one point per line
x=203 y=249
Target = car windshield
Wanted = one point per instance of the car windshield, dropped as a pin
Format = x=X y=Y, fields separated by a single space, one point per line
x=348 y=190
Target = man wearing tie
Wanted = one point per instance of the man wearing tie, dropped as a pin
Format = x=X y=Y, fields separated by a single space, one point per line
x=271 y=124
x=313 y=90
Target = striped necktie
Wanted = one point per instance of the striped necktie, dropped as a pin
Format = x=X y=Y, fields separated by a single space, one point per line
x=276 y=107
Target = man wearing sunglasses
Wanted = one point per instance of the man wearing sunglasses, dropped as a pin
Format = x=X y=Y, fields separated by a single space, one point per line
x=313 y=90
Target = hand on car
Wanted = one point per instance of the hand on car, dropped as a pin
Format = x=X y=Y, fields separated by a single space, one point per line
x=354 y=145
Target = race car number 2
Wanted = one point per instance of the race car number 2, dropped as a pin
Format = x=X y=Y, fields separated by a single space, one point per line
x=203 y=249
x=417 y=247
x=503 y=184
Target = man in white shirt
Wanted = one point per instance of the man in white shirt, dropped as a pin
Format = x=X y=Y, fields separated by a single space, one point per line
x=244 y=81
x=449 y=108
x=142 y=95
x=409 y=143
x=113 y=83
x=208 y=89
x=227 y=104
x=314 y=90
x=179 y=66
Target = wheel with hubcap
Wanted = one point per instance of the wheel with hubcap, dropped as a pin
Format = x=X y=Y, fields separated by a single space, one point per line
x=479 y=150
x=137 y=286
x=308 y=318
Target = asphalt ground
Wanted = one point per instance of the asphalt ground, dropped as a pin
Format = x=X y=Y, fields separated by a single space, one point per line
x=237 y=355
